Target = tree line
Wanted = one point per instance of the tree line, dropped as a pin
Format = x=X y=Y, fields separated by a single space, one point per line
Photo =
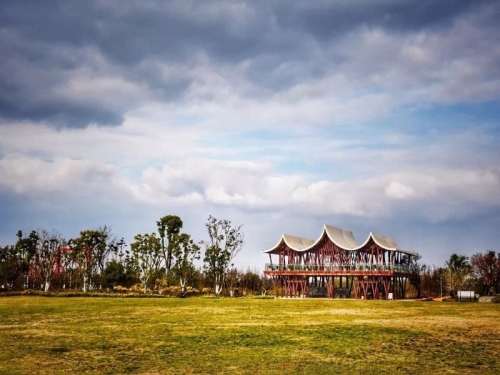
x=157 y=261
x=480 y=273
x=168 y=257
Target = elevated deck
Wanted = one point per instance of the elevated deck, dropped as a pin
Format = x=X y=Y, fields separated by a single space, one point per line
x=376 y=269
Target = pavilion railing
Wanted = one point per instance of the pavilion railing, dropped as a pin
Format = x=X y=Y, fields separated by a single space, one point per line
x=337 y=267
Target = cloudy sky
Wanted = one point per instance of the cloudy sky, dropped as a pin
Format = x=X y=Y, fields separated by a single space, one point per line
x=378 y=116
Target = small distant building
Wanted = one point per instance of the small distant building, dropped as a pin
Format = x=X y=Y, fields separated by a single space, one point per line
x=335 y=265
x=466 y=296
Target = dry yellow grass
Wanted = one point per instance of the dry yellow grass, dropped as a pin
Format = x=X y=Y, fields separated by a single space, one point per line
x=246 y=336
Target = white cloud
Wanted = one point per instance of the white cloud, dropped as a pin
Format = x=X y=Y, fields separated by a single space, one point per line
x=25 y=175
x=398 y=191
x=255 y=186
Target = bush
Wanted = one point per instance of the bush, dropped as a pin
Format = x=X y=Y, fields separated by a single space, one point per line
x=121 y=289
x=137 y=288
x=496 y=299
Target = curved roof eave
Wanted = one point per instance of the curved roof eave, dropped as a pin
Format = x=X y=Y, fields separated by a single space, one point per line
x=343 y=238
x=275 y=246
x=383 y=241
x=387 y=243
x=295 y=243
x=306 y=244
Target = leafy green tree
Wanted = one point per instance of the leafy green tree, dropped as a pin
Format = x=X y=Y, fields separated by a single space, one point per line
x=146 y=257
x=184 y=253
x=90 y=251
x=118 y=273
x=11 y=270
x=168 y=228
x=487 y=269
x=26 y=247
x=103 y=253
x=224 y=243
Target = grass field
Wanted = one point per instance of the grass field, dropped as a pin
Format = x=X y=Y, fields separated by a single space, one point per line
x=41 y=335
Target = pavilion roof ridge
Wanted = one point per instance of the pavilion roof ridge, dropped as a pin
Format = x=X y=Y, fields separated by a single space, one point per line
x=342 y=238
x=297 y=243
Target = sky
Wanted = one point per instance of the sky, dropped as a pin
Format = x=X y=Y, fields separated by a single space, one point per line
x=280 y=116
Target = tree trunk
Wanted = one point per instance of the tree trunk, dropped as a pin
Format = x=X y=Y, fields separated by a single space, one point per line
x=182 y=281
x=85 y=284
x=219 y=283
x=218 y=289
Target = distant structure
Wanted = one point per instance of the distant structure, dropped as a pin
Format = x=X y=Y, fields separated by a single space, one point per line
x=336 y=266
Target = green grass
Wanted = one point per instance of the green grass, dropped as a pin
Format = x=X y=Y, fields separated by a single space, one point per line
x=246 y=336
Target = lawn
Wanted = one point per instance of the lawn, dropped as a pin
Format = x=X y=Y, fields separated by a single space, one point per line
x=41 y=335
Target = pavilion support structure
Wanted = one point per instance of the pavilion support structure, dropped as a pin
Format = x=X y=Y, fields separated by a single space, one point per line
x=336 y=266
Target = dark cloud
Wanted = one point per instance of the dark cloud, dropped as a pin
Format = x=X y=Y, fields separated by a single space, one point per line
x=45 y=45
x=327 y=20
x=61 y=114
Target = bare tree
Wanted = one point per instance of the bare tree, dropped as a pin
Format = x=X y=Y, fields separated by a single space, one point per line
x=487 y=269
x=459 y=272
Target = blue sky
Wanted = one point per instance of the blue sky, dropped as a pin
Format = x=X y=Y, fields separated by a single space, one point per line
x=375 y=116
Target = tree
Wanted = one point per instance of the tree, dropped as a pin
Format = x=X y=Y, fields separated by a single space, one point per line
x=146 y=257
x=184 y=253
x=47 y=251
x=11 y=271
x=90 y=251
x=224 y=243
x=168 y=227
x=101 y=254
x=459 y=272
x=487 y=269
x=116 y=273
x=416 y=270
x=39 y=253
x=251 y=280
x=26 y=248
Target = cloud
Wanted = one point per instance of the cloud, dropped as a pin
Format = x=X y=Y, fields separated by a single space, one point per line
x=25 y=175
x=254 y=186
x=369 y=113
x=73 y=66
x=398 y=191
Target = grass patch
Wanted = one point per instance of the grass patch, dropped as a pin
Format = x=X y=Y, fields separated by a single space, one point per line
x=245 y=336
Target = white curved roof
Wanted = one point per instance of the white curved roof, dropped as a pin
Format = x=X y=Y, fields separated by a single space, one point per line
x=383 y=241
x=297 y=243
x=343 y=238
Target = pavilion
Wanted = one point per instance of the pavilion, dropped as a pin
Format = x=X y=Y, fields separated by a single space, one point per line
x=335 y=265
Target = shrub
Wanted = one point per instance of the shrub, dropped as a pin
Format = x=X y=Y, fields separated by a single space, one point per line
x=137 y=288
x=121 y=289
